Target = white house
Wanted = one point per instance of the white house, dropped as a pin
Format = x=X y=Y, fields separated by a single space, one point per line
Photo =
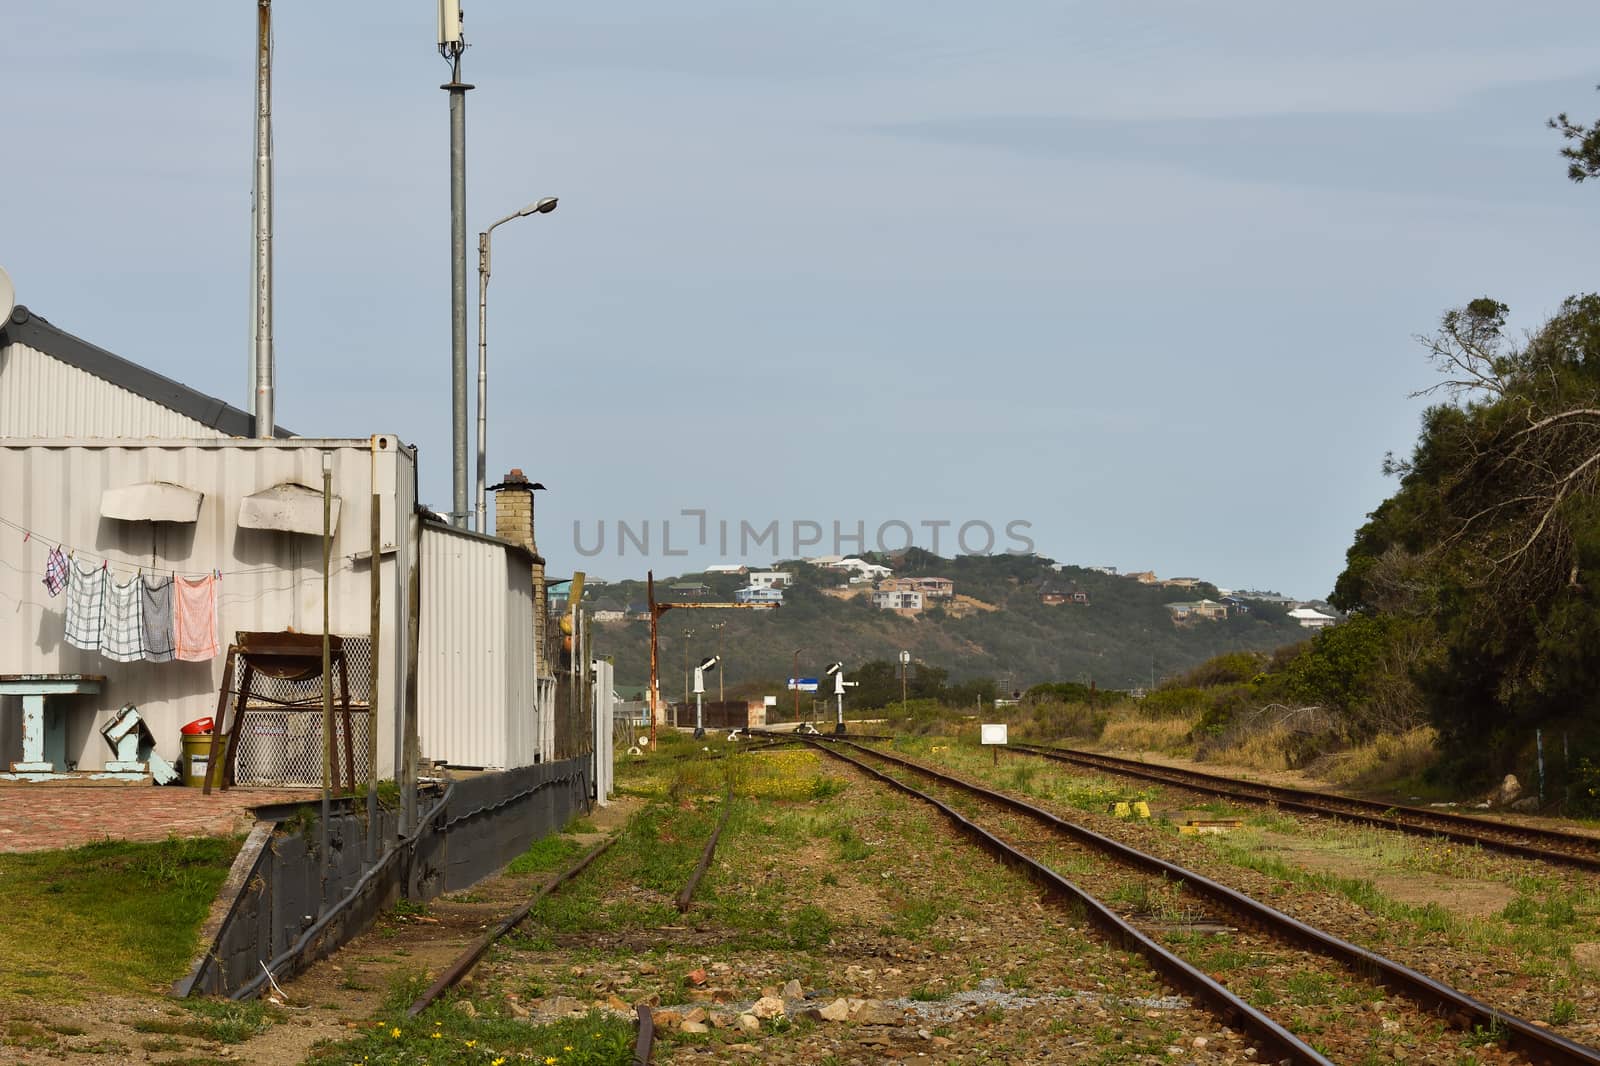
x=1311 y=618
x=752 y=594
x=137 y=478
x=906 y=600
x=770 y=579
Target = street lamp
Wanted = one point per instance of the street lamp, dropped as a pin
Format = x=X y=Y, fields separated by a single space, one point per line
x=538 y=207
x=699 y=694
x=688 y=635
x=905 y=668
x=719 y=627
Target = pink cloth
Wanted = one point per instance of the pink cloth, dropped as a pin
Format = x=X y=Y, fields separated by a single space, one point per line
x=194 y=617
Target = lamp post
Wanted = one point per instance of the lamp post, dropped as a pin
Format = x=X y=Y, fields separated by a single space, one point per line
x=905 y=668
x=719 y=627
x=794 y=681
x=452 y=42
x=699 y=694
x=688 y=635
x=538 y=207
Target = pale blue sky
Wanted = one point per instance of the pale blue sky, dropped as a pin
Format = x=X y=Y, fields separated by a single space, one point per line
x=1144 y=276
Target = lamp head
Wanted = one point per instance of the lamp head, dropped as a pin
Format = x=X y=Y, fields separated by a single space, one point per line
x=540 y=207
x=711 y=663
x=834 y=668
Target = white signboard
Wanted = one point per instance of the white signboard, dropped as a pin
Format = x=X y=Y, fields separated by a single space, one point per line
x=769 y=701
x=994 y=734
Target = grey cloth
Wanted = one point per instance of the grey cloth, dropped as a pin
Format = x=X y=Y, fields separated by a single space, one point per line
x=122 y=635
x=86 y=606
x=155 y=615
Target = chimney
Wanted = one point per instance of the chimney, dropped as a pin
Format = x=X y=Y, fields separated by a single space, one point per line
x=513 y=521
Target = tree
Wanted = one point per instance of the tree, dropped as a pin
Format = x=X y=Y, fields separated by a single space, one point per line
x=1493 y=537
x=1582 y=151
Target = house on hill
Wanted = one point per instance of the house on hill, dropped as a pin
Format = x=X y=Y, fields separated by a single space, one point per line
x=689 y=590
x=1311 y=618
x=1198 y=610
x=755 y=594
x=907 y=601
x=1055 y=595
x=930 y=588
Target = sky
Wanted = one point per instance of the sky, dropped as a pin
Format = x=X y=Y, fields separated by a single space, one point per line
x=1128 y=285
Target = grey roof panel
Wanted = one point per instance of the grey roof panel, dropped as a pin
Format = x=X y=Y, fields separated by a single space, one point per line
x=25 y=327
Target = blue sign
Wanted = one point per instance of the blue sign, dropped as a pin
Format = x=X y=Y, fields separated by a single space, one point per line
x=804 y=684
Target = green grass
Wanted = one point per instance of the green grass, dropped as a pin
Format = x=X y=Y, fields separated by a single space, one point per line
x=443 y=1036
x=221 y=1020
x=547 y=855
x=109 y=917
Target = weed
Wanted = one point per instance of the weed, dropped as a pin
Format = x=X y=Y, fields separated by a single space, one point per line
x=810 y=927
x=1563 y=1012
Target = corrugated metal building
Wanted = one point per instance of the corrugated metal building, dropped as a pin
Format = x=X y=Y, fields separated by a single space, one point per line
x=94 y=450
x=475 y=672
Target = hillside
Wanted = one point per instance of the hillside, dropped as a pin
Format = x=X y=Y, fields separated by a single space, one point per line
x=1122 y=638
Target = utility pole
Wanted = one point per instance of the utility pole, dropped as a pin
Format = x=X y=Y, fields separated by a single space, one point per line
x=719 y=627
x=688 y=635
x=452 y=42
x=262 y=378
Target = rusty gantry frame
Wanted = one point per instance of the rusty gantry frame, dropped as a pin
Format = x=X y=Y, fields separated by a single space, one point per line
x=659 y=609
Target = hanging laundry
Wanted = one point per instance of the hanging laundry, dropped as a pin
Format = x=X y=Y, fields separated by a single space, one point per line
x=55 y=572
x=195 y=618
x=155 y=617
x=86 y=606
x=122 y=637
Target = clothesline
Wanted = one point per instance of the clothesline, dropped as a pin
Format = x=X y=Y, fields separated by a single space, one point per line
x=117 y=566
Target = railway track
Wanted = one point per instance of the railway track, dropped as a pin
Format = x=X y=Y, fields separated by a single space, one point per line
x=464 y=963
x=1543 y=845
x=1284 y=954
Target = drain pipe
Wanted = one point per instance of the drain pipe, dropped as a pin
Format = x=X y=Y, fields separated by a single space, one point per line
x=261 y=308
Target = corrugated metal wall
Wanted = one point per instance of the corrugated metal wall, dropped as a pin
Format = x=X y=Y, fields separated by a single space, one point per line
x=271 y=581
x=475 y=685
x=45 y=397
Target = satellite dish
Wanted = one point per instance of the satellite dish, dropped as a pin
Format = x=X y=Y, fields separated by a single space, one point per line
x=8 y=296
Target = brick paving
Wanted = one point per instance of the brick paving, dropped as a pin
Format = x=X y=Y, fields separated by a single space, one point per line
x=40 y=817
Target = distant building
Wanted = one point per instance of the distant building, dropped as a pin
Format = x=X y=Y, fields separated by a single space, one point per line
x=860 y=570
x=1209 y=610
x=689 y=590
x=1264 y=597
x=907 y=600
x=726 y=568
x=931 y=588
x=753 y=594
x=609 y=616
x=1109 y=571
x=1143 y=577
x=770 y=579
x=1311 y=618
x=1054 y=595
x=1180 y=583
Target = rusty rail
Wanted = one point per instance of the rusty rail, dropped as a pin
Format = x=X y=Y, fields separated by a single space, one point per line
x=1277 y=1043
x=1457 y=1007
x=705 y=856
x=645 y=1044
x=464 y=962
x=1554 y=846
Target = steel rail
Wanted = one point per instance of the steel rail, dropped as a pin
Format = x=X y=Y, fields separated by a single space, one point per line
x=644 y=1045
x=1418 y=821
x=1276 y=1042
x=1459 y=1008
x=705 y=856
x=464 y=962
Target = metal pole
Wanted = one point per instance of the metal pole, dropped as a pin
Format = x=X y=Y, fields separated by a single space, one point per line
x=374 y=628
x=327 y=675
x=699 y=715
x=483 y=377
x=261 y=264
x=794 y=678
x=458 y=292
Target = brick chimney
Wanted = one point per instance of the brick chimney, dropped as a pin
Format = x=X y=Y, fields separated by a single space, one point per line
x=513 y=521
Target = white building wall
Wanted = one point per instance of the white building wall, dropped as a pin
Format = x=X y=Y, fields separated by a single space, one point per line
x=45 y=397
x=475 y=684
x=271 y=580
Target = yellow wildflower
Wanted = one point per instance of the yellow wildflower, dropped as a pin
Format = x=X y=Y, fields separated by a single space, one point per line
x=395 y=1032
x=435 y=1035
x=501 y=1061
x=472 y=1043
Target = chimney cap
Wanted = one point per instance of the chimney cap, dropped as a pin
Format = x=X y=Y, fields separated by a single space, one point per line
x=517 y=480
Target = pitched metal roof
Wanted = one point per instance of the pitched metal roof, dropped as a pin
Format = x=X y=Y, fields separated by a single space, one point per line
x=25 y=327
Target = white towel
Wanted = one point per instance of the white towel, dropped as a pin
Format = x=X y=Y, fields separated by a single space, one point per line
x=122 y=636
x=86 y=606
